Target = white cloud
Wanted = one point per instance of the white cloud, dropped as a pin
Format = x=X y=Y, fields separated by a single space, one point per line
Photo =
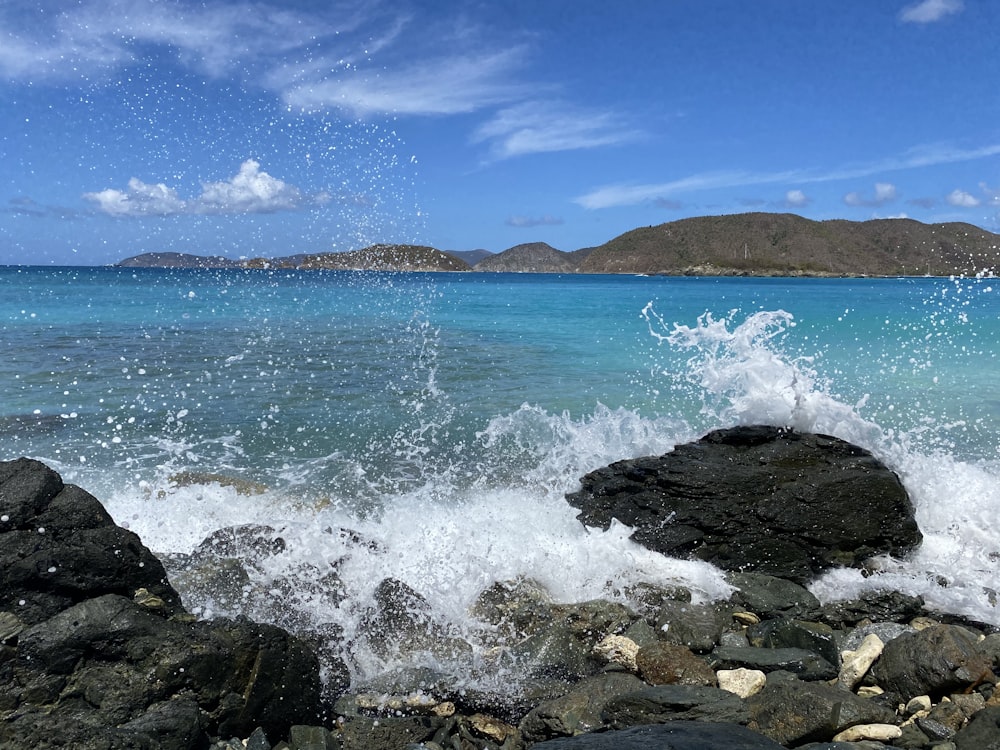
x=929 y=11
x=140 y=199
x=796 y=199
x=536 y=127
x=962 y=199
x=250 y=191
x=530 y=221
x=450 y=85
x=885 y=192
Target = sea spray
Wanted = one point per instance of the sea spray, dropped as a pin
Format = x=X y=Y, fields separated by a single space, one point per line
x=440 y=419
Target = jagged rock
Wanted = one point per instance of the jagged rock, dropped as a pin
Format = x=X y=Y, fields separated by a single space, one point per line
x=757 y=498
x=98 y=651
x=662 y=703
x=697 y=626
x=878 y=606
x=675 y=735
x=771 y=596
x=792 y=712
x=60 y=547
x=787 y=633
x=934 y=661
x=579 y=710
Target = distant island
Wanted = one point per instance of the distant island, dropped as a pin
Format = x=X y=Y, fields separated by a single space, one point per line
x=750 y=244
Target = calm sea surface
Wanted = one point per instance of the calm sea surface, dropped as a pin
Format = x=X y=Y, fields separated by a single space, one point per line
x=445 y=415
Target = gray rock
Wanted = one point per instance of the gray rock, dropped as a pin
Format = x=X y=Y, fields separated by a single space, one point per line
x=402 y=622
x=770 y=596
x=935 y=661
x=579 y=710
x=757 y=498
x=697 y=626
x=659 y=704
x=886 y=631
x=816 y=637
x=676 y=735
x=793 y=712
x=982 y=732
x=877 y=606
x=805 y=664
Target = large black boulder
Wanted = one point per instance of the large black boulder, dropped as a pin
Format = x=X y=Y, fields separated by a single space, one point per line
x=96 y=650
x=757 y=498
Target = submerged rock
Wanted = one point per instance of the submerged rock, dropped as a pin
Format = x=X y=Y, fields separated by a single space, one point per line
x=757 y=498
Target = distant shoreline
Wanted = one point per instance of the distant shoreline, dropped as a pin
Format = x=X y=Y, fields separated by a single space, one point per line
x=751 y=244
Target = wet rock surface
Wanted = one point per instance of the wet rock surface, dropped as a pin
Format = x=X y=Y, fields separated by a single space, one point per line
x=97 y=650
x=108 y=666
x=757 y=498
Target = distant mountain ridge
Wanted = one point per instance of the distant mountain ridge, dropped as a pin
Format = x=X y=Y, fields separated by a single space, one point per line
x=751 y=244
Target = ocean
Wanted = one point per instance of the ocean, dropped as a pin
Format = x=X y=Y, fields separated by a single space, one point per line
x=443 y=417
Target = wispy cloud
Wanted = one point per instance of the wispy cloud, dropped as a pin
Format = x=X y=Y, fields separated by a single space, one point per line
x=885 y=192
x=929 y=11
x=251 y=190
x=96 y=37
x=522 y=222
x=542 y=126
x=455 y=84
x=630 y=194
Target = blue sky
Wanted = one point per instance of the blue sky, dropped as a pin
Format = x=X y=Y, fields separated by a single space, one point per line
x=272 y=128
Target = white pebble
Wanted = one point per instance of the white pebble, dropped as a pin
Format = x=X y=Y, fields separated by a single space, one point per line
x=876 y=732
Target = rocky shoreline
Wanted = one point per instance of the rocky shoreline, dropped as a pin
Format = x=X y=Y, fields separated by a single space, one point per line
x=98 y=651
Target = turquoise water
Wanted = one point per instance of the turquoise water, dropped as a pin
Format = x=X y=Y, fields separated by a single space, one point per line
x=446 y=414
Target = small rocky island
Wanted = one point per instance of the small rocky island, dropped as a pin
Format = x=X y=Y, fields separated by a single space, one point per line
x=97 y=649
x=751 y=244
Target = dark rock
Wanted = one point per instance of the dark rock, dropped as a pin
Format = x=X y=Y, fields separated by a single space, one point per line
x=878 y=606
x=565 y=646
x=659 y=704
x=792 y=712
x=982 y=732
x=401 y=622
x=60 y=547
x=676 y=735
x=120 y=659
x=758 y=498
x=816 y=637
x=697 y=626
x=668 y=664
x=770 y=596
x=364 y=733
x=805 y=664
x=98 y=652
x=303 y=737
x=934 y=661
x=250 y=540
x=579 y=710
